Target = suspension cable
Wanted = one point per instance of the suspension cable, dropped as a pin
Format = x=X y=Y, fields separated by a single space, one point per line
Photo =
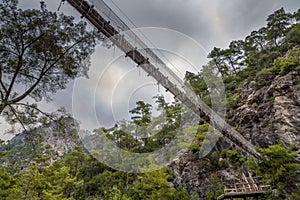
x=150 y=42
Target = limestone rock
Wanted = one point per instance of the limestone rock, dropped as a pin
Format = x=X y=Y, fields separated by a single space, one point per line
x=265 y=116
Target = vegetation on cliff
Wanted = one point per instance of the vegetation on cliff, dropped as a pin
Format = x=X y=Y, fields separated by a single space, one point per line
x=267 y=53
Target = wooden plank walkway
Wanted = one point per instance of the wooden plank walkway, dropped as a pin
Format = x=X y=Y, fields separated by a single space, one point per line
x=248 y=186
x=243 y=195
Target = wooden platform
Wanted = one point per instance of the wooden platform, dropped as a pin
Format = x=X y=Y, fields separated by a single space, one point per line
x=244 y=195
x=247 y=186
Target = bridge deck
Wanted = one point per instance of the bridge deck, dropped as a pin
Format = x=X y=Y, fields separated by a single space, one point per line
x=247 y=186
x=167 y=80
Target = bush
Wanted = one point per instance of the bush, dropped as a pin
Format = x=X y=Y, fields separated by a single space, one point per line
x=233 y=156
x=289 y=63
x=264 y=76
x=216 y=189
x=232 y=100
x=181 y=194
x=278 y=167
x=293 y=36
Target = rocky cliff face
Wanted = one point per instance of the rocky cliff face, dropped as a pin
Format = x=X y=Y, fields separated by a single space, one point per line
x=265 y=116
x=270 y=114
x=52 y=141
x=193 y=174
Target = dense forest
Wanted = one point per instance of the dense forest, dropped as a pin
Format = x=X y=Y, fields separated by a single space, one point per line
x=38 y=173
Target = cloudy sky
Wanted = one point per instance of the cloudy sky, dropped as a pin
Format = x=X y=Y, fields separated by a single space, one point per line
x=184 y=29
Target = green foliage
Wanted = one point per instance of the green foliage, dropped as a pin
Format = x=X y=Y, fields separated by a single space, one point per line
x=194 y=196
x=74 y=160
x=197 y=84
x=260 y=56
x=232 y=100
x=278 y=25
x=141 y=114
x=291 y=62
x=251 y=59
x=6 y=182
x=214 y=161
x=231 y=82
x=228 y=61
x=40 y=52
x=296 y=193
x=293 y=36
x=264 y=77
x=181 y=194
x=50 y=183
x=154 y=185
x=142 y=133
x=216 y=189
x=201 y=130
x=279 y=167
x=80 y=176
x=234 y=157
x=2 y=153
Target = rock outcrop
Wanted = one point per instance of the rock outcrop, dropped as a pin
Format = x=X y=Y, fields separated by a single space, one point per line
x=270 y=114
x=266 y=115
x=52 y=141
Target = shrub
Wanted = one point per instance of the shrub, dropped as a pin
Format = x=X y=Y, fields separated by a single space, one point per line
x=289 y=63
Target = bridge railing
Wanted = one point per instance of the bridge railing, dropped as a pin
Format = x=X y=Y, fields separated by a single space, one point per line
x=133 y=36
x=247 y=184
x=107 y=22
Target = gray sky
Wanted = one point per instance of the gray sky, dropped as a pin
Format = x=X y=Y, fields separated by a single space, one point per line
x=209 y=22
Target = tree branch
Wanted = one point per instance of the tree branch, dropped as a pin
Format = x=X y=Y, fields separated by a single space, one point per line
x=9 y=51
x=1 y=94
x=37 y=109
x=19 y=65
x=6 y=43
x=33 y=41
x=43 y=113
x=2 y=84
x=20 y=62
x=28 y=76
x=25 y=94
x=16 y=115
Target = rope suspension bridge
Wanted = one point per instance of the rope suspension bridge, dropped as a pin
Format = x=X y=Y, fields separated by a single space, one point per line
x=102 y=17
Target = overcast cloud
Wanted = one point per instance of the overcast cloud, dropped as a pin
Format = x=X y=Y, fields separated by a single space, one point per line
x=209 y=22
